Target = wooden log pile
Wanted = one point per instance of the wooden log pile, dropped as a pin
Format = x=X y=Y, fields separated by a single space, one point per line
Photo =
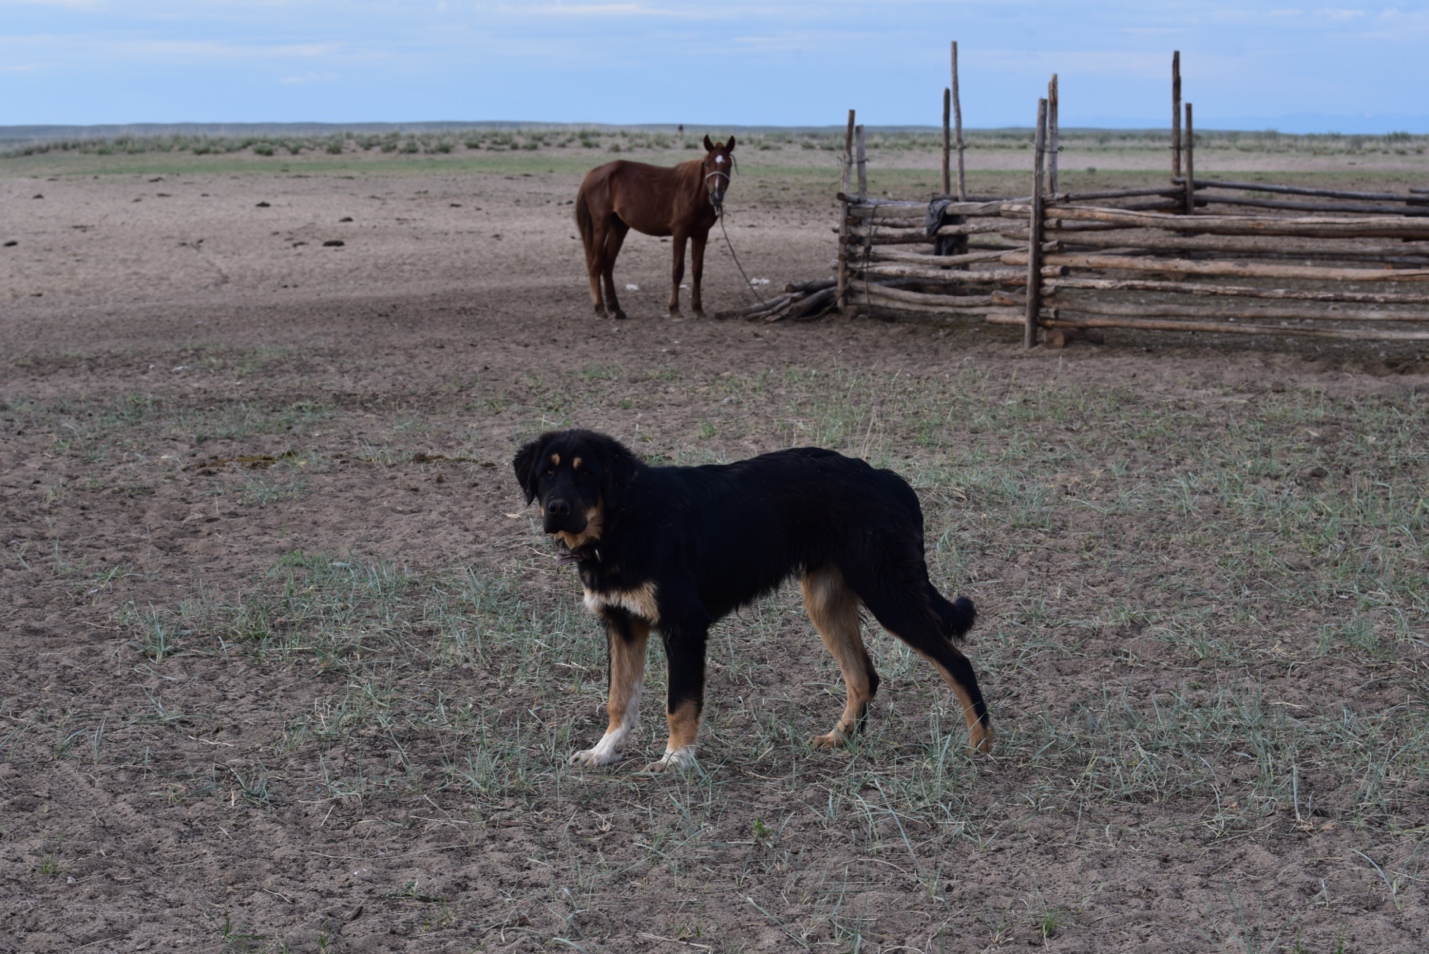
x=800 y=301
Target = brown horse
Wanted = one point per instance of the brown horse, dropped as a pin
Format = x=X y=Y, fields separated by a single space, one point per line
x=683 y=202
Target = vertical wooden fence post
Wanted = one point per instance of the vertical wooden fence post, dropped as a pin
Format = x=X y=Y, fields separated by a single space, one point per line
x=1175 y=115
x=862 y=160
x=1034 y=244
x=947 y=139
x=848 y=155
x=1052 y=147
x=1190 y=164
x=842 y=294
x=958 y=127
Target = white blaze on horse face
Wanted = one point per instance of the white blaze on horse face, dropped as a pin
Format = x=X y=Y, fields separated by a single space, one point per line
x=719 y=160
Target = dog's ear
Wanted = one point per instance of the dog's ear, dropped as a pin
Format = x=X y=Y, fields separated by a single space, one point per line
x=621 y=466
x=526 y=470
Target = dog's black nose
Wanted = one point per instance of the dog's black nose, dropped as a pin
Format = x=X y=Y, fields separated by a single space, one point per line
x=558 y=508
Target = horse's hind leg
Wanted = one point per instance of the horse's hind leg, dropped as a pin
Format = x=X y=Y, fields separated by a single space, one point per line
x=594 y=265
x=697 y=272
x=614 y=238
x=592 y=229
x=593 y=268
x=677 y=273
x=833 y=609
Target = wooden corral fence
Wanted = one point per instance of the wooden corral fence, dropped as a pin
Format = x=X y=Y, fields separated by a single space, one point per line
x=1197 y=255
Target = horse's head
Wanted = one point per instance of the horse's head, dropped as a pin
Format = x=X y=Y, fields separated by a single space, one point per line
x=718 y=164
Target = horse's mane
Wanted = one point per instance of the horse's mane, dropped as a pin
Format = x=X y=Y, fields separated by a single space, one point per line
x=688 y=172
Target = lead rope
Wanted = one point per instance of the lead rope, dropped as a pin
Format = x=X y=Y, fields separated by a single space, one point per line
x=747 y=283
x=719 y=216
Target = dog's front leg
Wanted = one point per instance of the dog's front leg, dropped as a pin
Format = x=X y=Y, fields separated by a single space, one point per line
x=627 y=638
x=685 y=700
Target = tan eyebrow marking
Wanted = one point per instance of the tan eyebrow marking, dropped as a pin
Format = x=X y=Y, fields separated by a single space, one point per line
x=555 y=460
x=575 y=463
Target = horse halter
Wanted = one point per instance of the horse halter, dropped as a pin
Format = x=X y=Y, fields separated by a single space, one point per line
x=715 y=197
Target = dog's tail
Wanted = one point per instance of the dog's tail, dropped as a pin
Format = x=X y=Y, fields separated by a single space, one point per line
x=956 y=617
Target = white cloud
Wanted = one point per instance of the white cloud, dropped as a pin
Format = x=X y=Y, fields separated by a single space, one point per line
x=217 y=49
x=66 y=4
x=309 y=78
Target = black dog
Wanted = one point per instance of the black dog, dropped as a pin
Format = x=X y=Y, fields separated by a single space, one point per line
x=677 y=548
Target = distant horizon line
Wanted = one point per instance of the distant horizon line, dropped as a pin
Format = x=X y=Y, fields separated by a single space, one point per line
x=39 y=132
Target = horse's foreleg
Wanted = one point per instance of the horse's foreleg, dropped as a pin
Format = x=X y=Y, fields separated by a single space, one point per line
x=615 y=238
x=677 y=274
x=697 y=272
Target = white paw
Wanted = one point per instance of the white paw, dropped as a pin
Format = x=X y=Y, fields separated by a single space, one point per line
x=593 y=757
x=679 y=759
x=609 y=749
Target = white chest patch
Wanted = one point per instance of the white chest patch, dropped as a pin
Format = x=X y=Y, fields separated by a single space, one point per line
x=639 y=601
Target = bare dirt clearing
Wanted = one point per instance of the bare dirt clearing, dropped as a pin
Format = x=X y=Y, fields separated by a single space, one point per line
x=290 y=668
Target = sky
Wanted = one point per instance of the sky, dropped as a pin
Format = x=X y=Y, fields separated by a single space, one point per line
x=1246 y=64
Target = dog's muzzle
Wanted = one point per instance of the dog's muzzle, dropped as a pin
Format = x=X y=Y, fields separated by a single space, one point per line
x=558 y=517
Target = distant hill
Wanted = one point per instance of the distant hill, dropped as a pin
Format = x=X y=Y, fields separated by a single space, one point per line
x=1299 y=124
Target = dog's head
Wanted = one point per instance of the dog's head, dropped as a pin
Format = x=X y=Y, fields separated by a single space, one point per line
x=579 y=477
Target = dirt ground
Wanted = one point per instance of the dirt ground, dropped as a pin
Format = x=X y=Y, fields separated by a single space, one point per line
x=210 y=414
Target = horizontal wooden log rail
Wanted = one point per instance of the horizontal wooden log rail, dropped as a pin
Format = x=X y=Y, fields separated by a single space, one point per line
x=1231 y=291
x=885 y=254
x=1168 y=191
x=1050 y=320
x=885 y=208
x=997 y=239
x=1303 y=190
x=1205 y=198
x=1184 y=266
x=1098 y=307
x=1376 y=226
x=992 y=276
x=886 y=294
x=994 y=224
x=1244 y=246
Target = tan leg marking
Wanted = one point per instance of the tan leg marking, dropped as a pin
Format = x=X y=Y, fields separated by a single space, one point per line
x=833 y=609
x=684 y=730
x=627 y=680
x=979 y=732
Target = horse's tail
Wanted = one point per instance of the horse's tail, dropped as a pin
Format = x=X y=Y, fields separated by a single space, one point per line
x=585 y=224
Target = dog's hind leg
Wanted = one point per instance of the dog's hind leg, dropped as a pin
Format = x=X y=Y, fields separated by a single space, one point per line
x=628 y=637
x=833 y=609
x=902 y=606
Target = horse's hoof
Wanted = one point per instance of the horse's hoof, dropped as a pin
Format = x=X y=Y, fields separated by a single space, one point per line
x=699 y=313
x=621 y=316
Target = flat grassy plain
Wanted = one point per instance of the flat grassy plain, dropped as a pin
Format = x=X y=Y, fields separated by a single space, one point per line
x=292 y=668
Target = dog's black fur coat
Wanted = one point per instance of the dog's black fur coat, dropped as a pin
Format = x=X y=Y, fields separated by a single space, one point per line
x=677 y=548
